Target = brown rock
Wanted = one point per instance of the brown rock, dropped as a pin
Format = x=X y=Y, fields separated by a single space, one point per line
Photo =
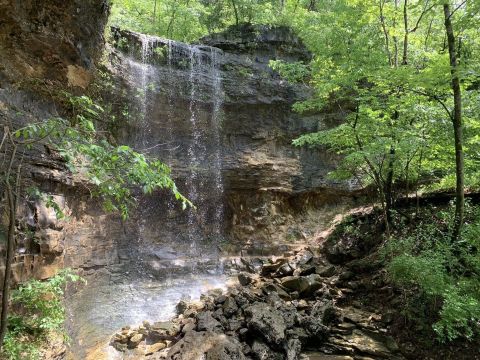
x=151 y=349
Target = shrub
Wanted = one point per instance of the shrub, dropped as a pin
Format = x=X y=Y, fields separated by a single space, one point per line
x=38 y=312
x=425 y=262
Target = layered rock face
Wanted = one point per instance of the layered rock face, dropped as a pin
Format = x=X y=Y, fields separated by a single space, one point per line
x=46 y=47
x=269 y=187
x=51 y=40
x=269 y=183
x=261 y=193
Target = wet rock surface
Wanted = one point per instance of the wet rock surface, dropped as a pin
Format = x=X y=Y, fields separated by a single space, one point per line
x=267 y=182
x=264 y=319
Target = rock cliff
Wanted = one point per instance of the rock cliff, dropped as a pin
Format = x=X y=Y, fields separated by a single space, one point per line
x=47 y=47
x=270 y=190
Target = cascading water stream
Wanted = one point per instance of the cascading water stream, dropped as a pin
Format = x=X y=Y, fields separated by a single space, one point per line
x=176 y=115
x=205 y=164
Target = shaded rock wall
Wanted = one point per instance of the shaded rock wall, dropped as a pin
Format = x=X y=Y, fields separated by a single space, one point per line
x=270 y=186
x=45 y=47
x=51 y=39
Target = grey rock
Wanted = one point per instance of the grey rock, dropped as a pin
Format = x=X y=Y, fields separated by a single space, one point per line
x=230 y=306
x=245 y=279
x=226 y=348
x=325 y=310
x=196 y=345
x=273 y=288
x=221 y=299
x=296 y=283
x=181 y=307
x=304 y=285
x=304 y=257
x=267 y=322
x=262 y=352
x=294 y=348
x=188 y=327
x=315 y=329
x=346 y=275
x=206 y=322
x=325 y=271
x=269 y=268
x=285 y=270
x=166 y=328
x=306 y=270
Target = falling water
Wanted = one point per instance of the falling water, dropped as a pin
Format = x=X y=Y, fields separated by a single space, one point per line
x=192 y=146
x=177 y=114
x=204 y=184
x=144 y=72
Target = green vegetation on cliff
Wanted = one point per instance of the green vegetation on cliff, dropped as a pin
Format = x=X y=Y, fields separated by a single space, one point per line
x=110 y=172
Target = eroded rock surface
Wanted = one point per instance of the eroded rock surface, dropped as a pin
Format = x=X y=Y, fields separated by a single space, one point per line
x=268 y=184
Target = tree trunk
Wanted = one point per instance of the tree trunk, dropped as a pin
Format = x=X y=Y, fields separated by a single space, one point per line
x=154 y=17
x=235 y=11
x=457 y=125
x=405 y=36
x=8 y=260
x=389 y=202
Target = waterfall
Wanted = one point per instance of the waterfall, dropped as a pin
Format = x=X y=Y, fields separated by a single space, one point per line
x=205 y=162
x=174 y=108
x=184 y=132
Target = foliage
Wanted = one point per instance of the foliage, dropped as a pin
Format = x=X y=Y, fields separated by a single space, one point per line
x=188 y=20
x=384 y=65
x=111 y=172
x=114 y=171
x=38 y=313
x=425 y=261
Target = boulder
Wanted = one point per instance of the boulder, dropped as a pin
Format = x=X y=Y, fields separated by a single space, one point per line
x=206 y=345
x=267 y=322
x=181 y=307
x=206 y=322
x=271 y=267
x=151 y=349
x=296 y=283
x=316 y=330
x=303 y=257
x=190 y=326
x=262 y=352
x=294 y=348
x=324 y=310
x=305 y=270
x=245 y=279
x=120 y=347
x=285 y=270
x=230 y=307
x=273 y=288
x=304 y=285
x=314 y=283
x=165 y=328
x=225 y=348
x=135 y=340
x=325 y=270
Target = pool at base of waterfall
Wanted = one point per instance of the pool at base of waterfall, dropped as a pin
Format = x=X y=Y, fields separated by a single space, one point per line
x=107 y=304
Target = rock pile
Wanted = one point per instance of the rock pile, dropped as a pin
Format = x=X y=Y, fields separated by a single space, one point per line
x=146 y=339
x=281 y=308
